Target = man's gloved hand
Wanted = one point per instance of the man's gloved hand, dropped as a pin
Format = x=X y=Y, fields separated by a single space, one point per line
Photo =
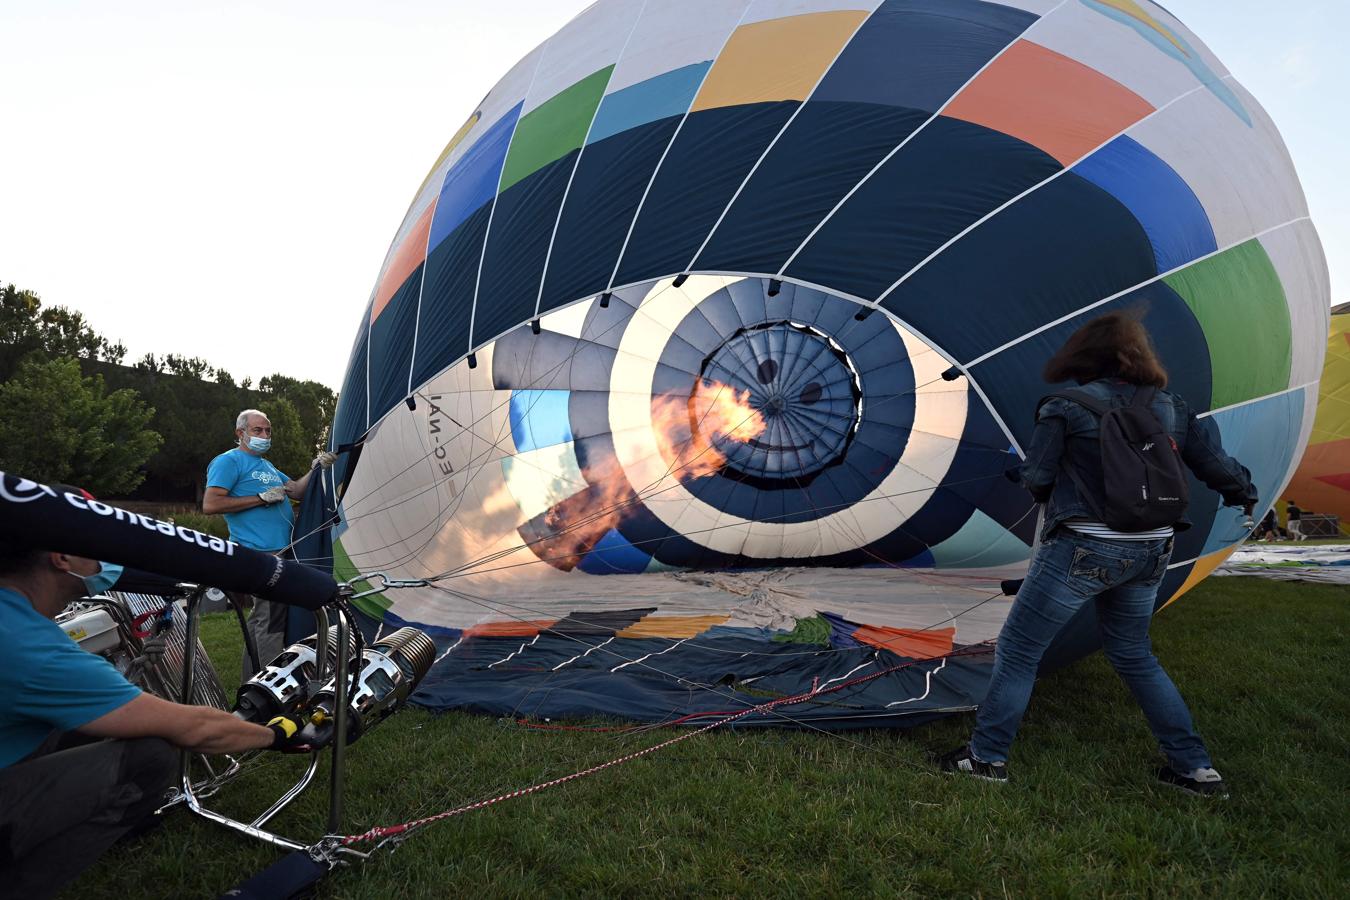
x=324 y=460
x=152 y=651
x=286 y=734
x=273 y=495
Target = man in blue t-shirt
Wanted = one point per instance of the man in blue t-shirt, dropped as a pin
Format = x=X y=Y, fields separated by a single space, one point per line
x=65 y=795
x=254 y=496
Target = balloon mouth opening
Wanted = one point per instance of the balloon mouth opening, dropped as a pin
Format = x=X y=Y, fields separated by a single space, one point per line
x=796 y=402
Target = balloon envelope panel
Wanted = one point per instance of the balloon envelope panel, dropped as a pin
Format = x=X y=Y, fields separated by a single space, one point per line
x=721 y=322
x=1322 y=481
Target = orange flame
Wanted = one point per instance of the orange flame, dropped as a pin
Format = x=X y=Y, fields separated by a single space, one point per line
x=690 y=426
x=687 y=426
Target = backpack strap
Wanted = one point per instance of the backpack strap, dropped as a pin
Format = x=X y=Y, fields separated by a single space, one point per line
x=1143 y=395
x=1097 y=407
x=1082 y=398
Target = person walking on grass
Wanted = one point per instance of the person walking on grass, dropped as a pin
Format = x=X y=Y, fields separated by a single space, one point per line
x=1105 y=460
x=1294 y=517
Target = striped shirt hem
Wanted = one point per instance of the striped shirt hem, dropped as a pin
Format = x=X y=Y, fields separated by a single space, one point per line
x=1090 y=528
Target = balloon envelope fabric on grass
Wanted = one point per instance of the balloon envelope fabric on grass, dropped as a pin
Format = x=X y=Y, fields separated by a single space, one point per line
x=693 y=371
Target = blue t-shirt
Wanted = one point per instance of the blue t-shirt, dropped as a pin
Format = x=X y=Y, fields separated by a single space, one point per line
x=245 y=475
x=47 y=682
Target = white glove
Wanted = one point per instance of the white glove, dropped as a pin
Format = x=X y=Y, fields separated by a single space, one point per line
x=323 y=460
x=273 y=495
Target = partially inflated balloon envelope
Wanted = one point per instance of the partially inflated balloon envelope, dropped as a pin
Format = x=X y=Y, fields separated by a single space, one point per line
x=1322 y=481
x=694 y=369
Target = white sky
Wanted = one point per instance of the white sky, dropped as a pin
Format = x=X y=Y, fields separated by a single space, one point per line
x=223 y=179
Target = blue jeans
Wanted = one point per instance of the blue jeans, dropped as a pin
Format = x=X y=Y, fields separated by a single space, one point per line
x=1122 y=578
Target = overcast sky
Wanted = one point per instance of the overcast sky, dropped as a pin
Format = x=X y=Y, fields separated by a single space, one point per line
x=223 y=179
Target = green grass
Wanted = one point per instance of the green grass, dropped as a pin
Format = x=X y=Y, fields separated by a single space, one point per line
x=775 y=813
x=199 y=521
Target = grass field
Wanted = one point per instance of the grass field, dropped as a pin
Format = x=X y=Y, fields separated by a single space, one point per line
x=776 y=813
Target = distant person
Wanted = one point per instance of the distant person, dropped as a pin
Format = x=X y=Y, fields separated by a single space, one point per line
x=1294 y=521
x=1083 y=559
x=254 y=496
x=1269 y=529
x=66 y=795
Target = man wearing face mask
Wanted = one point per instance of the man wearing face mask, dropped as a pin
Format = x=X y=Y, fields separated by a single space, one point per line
x=85 y=756
x=254 y=496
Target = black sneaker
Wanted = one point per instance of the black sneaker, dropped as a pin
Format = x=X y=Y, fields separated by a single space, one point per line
x=1204 y=782
x=962 y=762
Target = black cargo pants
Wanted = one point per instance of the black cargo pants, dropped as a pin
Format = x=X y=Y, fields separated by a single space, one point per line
x=61 y=810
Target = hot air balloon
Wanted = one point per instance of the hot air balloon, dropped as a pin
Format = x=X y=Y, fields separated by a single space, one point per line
x=693 y=371
x=1322 y=480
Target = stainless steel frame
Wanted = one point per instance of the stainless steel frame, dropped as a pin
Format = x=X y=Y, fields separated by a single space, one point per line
x=191 y=794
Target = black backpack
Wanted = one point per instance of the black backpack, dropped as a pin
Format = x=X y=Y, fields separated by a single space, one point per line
x=1142 y=471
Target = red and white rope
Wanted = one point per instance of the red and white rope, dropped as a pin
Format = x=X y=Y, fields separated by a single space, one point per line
x=380 y=832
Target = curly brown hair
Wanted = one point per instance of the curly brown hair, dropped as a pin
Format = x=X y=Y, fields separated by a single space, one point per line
x=1115 y=345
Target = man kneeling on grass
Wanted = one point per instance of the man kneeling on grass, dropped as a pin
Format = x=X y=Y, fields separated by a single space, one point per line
x=85 y=756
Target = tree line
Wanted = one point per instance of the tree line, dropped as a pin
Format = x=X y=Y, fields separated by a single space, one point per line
x=72 y=411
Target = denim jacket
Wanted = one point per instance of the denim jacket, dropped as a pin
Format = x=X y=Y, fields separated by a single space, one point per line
x=1067 y=434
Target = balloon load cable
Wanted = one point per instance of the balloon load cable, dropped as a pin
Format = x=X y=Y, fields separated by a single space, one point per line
x=383 y=832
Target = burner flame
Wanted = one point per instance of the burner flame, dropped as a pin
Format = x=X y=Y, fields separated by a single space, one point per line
x=714 y=411
x=689 y=425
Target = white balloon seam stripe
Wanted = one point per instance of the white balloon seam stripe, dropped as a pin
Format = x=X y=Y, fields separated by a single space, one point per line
x=644 y=494
x=566 y=361
x=434 y=525
x=909 y=137
x=932 y=346
x=1064 y=170
x=367 y=325
x=490 y=444
x=496 y=195
x=581 y=151
x=972 y=381
x=477 y=466
x=651 y=179
x=984 y=357
x=1249 y=401
x=421 y=289
x=506 y=402
x=786 y=125
x=640 y=495
x=639 y=418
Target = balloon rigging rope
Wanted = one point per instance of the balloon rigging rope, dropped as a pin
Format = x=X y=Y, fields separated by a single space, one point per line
x=386 y=832
x=495 y=445
x=399 y=831
x=502 y=607
x=770 y=707
x=476 y=567
x=395 y=833
x=492 y=446
x=638 y=497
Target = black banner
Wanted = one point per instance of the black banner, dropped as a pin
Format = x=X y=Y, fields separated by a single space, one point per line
x=44 y=518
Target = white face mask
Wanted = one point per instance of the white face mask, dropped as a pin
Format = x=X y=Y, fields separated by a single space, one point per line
x=259 y=444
